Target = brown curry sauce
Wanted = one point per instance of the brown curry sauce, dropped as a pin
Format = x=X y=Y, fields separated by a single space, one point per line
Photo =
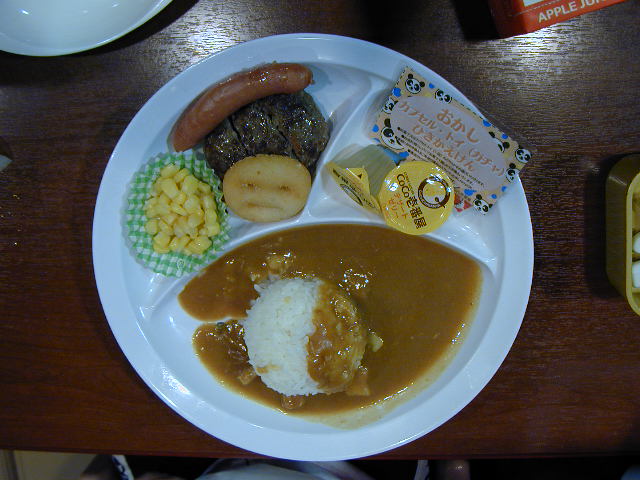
x=416 y=294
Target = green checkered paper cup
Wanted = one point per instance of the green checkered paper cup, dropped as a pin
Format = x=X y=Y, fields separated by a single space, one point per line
x=172 y=264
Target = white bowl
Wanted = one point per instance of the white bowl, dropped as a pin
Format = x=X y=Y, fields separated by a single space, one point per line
x=60 y=27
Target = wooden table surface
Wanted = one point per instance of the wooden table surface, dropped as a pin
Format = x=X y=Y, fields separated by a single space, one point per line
x=570 y=384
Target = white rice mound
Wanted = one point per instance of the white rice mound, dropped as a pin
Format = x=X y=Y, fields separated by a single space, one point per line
x=276 y=332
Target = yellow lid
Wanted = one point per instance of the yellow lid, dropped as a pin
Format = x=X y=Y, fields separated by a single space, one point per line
x=416 y=197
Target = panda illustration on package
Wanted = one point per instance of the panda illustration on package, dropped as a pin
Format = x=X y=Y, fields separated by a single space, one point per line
x=481 y=205
x=388 y=136
x=413 y=85
x=502 y=145
x=523 y=155
x=512 y=172
x=389 y=104
x=441 y=96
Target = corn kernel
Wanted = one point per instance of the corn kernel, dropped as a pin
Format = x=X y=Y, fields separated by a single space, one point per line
x=193 y=248
x=174 y=244
x=169 y=188
x=170 y=218
x=178 y=177
x=158 y=249
x=151 y=212
x=194 y=220
x=180 y=198
x=204 y=187
x=163 y=199
x=162 y=209
x=151 y=227
x=212 y=229
x=169 y=170
x=182 y=223
x=182 y=242
x=165 y=228
x=161 y=239
x=208 y=202
x=202 y=243
x=210 y=216
x=178 y=231
x=192 y=232
x=179 y=209
x=189 y=184
x=192 y=204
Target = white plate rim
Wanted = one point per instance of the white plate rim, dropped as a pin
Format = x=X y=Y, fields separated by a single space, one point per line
x=341 y=444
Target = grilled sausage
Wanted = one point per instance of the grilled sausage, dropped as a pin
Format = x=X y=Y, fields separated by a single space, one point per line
x=224 y=98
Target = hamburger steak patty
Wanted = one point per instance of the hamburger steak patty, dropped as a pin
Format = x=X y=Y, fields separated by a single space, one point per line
x=283 y=124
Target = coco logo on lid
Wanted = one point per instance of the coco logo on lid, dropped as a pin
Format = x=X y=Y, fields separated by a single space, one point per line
x=416 y=197
x=434 y=192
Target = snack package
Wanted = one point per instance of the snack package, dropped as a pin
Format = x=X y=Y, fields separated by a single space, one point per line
x=421 y=122
x=515 y=17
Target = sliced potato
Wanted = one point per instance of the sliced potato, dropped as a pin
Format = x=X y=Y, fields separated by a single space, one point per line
x=266 y=188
